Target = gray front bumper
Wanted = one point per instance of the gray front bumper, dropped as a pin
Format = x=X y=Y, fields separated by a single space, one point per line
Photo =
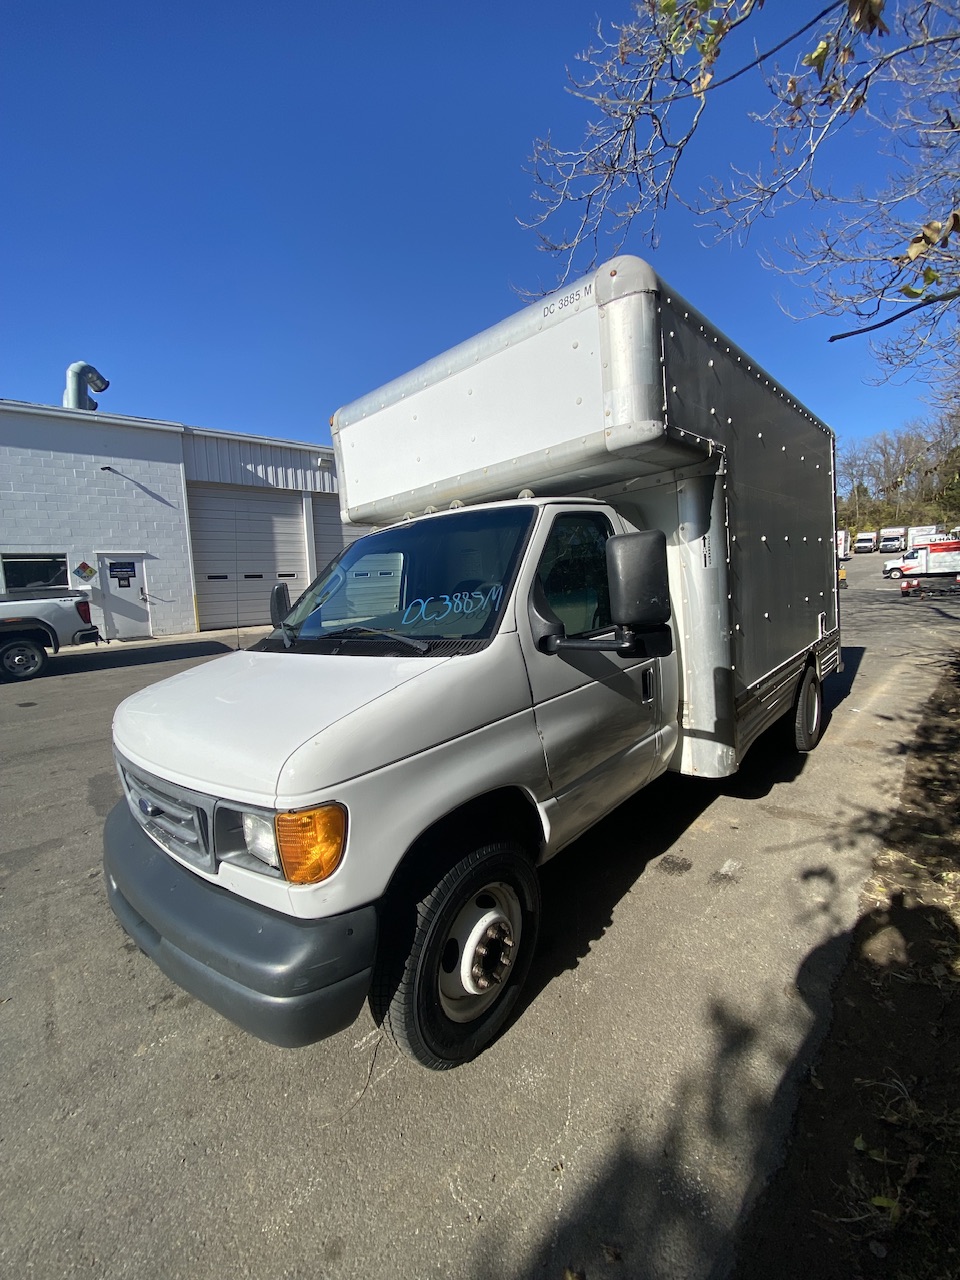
x=288 y=981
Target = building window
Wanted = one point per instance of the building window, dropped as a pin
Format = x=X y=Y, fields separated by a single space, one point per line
x=28 y=572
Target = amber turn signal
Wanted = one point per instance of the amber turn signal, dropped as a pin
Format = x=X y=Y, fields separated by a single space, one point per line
x=311 y=842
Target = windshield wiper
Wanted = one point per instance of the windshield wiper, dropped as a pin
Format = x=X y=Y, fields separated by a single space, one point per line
x=377 y=633
x=289 y=634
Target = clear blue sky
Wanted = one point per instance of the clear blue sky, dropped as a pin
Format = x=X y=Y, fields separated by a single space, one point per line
x=247 y=214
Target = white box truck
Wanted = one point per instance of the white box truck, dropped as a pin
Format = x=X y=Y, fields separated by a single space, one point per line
x=604 y=547
x=920 y=535
x=893 y=538
x=843 y=544
x=937 y=560
x=865 y=542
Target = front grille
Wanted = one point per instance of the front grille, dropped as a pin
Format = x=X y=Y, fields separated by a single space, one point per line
x=178 y=820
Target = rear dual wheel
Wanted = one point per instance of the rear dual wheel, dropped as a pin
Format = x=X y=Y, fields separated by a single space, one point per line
x=446 y=983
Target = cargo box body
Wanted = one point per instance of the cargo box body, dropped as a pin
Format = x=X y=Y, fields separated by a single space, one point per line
x=618 y=389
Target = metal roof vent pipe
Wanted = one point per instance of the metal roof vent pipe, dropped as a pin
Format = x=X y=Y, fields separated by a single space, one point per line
x=81 y=375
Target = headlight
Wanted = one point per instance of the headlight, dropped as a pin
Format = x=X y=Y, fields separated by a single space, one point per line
x=304 y=847
x=259 y=837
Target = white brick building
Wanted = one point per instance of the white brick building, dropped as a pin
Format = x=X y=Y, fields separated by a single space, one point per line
x=172 y=529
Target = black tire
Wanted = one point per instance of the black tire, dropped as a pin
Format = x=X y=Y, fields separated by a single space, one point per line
x=22 y=659
x=895 y=574
x=808 y=712
x=439 y=1007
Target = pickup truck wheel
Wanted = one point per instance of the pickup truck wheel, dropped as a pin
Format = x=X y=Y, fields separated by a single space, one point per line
x=445 y=992
x=808 y=712
x=21 y=659
x=896 y=573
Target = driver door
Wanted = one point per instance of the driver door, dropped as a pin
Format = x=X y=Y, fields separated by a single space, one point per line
x=598 y=714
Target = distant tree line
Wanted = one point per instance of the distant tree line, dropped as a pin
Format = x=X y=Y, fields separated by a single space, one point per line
x=905 y=477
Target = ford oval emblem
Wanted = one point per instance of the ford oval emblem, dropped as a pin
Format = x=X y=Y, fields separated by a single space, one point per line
x=146 y=806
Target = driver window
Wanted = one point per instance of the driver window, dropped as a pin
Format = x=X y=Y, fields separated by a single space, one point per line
x=573 y=573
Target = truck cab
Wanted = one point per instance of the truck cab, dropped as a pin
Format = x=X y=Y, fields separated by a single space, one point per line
x=903 y=565
x=494 y=677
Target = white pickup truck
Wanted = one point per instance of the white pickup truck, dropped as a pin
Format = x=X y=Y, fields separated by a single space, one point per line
x=604 y=548
x=33 y=622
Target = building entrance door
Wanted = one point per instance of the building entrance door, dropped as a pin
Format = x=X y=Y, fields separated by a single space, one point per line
x=124 y=597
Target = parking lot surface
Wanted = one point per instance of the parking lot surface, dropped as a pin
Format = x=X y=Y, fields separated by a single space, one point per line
x=619 y=1126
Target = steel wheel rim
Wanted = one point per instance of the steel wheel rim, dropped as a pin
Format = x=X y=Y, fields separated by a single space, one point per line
x=812 y=707
x=478 y=952
x=18 y=659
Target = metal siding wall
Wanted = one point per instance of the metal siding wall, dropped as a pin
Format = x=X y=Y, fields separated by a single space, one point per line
x=330 y=535
x=220 y=459
x=244 y=540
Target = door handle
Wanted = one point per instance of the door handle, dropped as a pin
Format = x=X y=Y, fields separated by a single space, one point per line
x=646 y=684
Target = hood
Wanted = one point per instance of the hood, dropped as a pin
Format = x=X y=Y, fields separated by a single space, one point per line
x=269 y=728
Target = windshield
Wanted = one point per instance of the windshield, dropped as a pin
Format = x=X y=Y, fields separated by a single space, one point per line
x=441 y=579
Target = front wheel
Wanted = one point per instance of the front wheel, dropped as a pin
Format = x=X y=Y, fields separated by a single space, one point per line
x=446 y=989
x=895 y=573
x=22 y=659
x=808 y=712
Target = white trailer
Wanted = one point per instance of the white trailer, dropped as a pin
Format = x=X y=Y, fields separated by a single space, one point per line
x=604 y=547
x=843 y=544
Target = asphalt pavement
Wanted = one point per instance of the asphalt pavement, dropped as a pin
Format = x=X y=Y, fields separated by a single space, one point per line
x=621 y=1126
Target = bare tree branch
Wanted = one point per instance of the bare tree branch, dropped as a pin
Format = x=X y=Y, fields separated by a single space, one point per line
x=925 y=302
x=888 y=65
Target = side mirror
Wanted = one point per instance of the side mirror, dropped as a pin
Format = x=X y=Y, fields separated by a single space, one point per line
x=639 y=585
x=639 y=602
x=279 y=603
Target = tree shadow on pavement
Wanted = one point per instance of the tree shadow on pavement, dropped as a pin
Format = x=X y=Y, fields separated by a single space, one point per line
x=871 y=1097
x=578 y=909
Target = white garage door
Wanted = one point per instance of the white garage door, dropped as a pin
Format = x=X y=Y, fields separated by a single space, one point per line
x=244 y=540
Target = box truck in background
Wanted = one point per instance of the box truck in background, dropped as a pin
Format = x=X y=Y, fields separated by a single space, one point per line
x=843 y=544
x=921 y=534
x=865 y=542
x=893 y=538
x=938 y=559
x=605 y=548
